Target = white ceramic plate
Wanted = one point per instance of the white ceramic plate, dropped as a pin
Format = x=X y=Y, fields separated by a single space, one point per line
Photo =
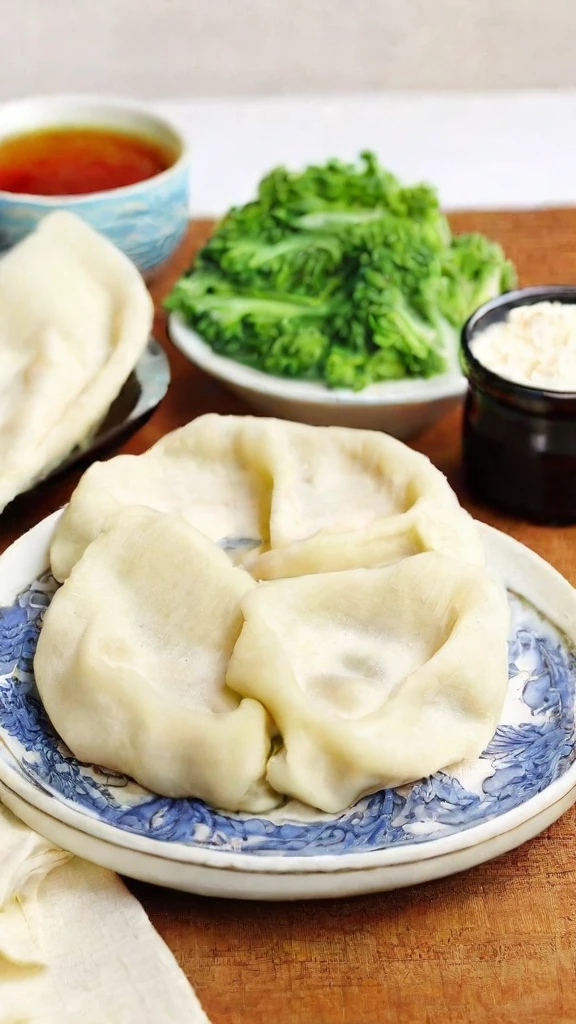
x=402 y=408
x=226 y=880
x=523 y=782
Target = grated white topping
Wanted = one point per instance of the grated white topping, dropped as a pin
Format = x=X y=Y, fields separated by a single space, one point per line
x=535 y=345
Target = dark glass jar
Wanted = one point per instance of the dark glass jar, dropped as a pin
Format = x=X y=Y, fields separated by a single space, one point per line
x=519 y=442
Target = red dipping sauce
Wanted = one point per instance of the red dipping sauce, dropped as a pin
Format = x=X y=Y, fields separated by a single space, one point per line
x=68 y=161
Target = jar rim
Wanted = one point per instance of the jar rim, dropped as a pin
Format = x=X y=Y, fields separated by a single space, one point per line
x=508 y=390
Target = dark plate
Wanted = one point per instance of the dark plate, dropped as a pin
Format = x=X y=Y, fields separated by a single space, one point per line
x=142 y=393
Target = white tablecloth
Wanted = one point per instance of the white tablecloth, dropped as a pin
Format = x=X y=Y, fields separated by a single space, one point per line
x=502 y=150
x=76 y=947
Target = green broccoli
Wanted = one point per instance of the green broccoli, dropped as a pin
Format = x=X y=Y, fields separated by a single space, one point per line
x=303 y=264
x=341 y=274
x=479 y=268
x=255 y=328
x=394 y=327
x=299 y=352
x=345 y=369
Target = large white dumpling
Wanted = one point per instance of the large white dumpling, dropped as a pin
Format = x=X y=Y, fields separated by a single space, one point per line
x=132 y=657
x=305 y=499
x=75 y=317
x=374 y=677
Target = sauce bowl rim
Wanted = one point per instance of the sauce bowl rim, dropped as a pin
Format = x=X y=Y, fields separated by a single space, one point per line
x=94 y=100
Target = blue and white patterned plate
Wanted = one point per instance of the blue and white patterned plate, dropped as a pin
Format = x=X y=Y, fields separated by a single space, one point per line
x=532 y=754
x=533 y=746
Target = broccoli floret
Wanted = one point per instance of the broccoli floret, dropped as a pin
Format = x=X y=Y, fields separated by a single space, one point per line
x=252 y=328
x=299 y=352
x=391 y=324
x=339 y=273
x=304 y=264
x=474 y=270
x=334 y=184
x=345 y=369
x=386 y=364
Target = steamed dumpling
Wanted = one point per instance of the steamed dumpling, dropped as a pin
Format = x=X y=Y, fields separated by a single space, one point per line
x=301 y=499
x=132 y=658
x=75 y=317
x=374 y=677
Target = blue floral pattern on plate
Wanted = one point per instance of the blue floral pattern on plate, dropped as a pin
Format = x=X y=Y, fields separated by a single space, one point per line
x=532 y=747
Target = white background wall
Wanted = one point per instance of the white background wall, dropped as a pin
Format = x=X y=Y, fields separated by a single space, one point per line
x=177 y=48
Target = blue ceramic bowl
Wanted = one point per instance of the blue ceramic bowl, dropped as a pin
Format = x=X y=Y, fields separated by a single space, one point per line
x=146 y=220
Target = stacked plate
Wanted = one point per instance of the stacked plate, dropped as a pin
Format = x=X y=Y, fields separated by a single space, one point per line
x=525 y=779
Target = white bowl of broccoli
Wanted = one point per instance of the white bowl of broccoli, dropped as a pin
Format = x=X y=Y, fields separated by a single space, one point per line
x=402 y=408
x=337 y=297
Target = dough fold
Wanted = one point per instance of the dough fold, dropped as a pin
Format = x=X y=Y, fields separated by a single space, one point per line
x=374 y=678
x=293 y=499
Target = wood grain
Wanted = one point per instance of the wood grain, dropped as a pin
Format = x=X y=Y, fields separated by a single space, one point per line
x=497 y=944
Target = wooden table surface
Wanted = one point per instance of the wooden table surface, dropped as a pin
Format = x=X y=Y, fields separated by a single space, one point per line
x=496 y=945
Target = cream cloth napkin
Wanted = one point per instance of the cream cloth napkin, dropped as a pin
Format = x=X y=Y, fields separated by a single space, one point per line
x=76 y=947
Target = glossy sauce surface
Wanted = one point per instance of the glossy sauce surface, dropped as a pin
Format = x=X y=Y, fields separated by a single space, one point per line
x=64 y=161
